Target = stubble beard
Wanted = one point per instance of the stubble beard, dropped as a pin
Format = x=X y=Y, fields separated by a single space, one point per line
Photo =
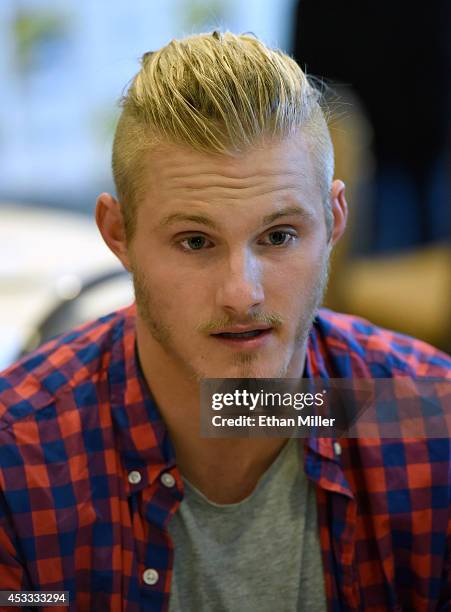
x=245 y=364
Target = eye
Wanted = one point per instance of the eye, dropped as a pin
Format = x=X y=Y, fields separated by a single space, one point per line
x=279 y=238
x=194 y=243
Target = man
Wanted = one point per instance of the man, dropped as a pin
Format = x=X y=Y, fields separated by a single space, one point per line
x=226 y=214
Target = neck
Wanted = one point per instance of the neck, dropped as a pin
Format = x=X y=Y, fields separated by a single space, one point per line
x=224 y=469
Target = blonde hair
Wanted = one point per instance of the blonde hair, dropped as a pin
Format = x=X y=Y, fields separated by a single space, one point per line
x=217 y=93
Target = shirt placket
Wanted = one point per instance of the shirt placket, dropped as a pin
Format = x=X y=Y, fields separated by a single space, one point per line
x=158 y=498
x=336 y=520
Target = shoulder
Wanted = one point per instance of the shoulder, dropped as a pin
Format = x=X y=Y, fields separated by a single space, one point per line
x=355 y=347
x=62 y=365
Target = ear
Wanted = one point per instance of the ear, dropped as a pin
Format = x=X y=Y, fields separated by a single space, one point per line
x=339 y=208
x=111 y=225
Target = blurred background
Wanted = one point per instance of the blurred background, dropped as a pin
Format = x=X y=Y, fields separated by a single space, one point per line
x=385 y=70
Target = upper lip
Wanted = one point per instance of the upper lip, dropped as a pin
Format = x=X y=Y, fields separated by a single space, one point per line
x=239 y=329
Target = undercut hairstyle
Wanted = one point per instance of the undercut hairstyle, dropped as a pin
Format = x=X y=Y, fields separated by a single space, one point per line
x=216 y=93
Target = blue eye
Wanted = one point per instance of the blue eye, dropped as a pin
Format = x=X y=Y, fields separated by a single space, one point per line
x=194 y=243
x=280 y=238
x=277 y=238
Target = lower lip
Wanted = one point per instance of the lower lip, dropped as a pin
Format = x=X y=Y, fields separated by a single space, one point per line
x=246 y=343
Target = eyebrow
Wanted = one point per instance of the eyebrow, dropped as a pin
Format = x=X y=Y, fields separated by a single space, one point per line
x=288 y=211
x=178 y=216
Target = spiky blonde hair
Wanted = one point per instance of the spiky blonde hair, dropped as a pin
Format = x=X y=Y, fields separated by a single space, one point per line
x=217 y=93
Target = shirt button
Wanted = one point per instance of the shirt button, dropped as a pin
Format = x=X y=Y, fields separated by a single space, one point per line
x=168 y=479
x=134 y=477
x=150 y=576
x=337 y=448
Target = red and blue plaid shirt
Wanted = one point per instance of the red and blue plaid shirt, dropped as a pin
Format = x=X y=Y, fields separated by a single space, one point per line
x=85 y=499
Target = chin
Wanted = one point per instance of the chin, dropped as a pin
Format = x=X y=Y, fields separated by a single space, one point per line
x=245 y=369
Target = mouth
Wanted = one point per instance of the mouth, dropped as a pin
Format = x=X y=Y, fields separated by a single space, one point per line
x=252 y=338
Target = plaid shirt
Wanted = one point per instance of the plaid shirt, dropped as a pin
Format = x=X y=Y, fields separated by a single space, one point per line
x=88 y=480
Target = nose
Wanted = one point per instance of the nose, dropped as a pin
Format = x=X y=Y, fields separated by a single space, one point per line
x=240 y=288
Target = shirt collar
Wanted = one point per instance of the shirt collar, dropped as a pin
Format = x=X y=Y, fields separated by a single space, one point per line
x=322 y=464
x=316 y=367
x=142 y=437
x=140 y=432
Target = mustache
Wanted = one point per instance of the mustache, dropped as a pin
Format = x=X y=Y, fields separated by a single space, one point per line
x=272 y=319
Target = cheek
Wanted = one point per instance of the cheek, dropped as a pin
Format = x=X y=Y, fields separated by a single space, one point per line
x=297 y=275
x=180 y=296
x=161 y=277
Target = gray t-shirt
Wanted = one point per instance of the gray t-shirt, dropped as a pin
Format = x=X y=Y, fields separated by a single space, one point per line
x=259 y=555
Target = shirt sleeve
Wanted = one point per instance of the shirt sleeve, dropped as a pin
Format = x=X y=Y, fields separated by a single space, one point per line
x=445 y=593
x=12 y=572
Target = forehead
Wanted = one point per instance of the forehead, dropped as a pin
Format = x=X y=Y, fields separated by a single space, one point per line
x=289 y=157
x=261 y=178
